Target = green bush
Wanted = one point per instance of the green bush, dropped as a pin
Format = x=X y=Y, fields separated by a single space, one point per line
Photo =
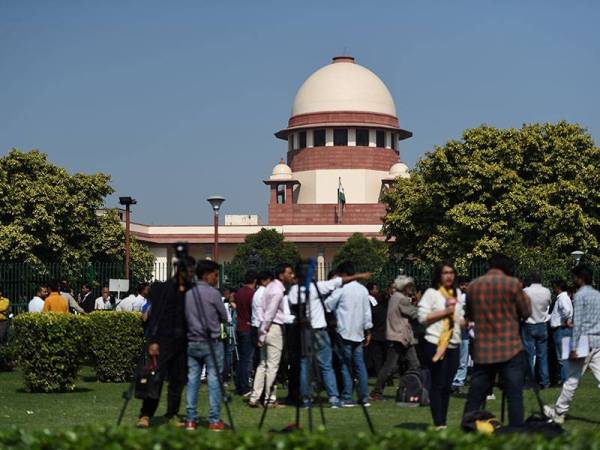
x=8 y=356
x=50 y=349
x=171 y=438
x=116 y=339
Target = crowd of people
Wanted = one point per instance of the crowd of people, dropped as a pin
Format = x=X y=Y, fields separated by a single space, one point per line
x=58 y=297
x=491 y=330
x=486 y=330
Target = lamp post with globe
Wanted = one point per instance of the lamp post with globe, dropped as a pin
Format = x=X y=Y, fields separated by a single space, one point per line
x=216 y=201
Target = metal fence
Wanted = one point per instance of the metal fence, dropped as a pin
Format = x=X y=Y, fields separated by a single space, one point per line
x=20 y=280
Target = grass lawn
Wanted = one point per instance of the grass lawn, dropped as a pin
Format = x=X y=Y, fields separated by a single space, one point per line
x=99 y=403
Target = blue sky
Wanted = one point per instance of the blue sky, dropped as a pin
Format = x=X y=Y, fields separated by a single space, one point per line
x=179 y=100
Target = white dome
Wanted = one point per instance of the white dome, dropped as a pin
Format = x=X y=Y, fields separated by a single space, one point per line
x=399 y=170
x=281 y=172
x=343 y=85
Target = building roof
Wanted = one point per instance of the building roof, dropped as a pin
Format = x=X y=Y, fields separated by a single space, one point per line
x=235 y=234
x=343 y=85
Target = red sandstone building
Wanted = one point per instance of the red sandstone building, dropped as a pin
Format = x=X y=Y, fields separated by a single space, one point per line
x=343 y=133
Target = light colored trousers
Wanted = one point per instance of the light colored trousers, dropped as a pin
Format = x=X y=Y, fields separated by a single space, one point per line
x=576 y=369
x=270 y=355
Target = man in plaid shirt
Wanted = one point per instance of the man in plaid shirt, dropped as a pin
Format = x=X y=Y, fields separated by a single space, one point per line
x=586 y=324
x=497 y=304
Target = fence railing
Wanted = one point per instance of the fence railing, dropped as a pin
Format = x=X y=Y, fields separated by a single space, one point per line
x=20 y=280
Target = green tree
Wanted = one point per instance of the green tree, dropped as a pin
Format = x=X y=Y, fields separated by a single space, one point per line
x=109 y=245
x=49 y=215
x=533 y=193
x=365 y=254
x=265 y=249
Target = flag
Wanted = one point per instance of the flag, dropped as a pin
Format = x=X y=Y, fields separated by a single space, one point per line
x=341 y=200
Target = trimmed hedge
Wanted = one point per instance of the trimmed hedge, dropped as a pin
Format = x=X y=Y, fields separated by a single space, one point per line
x=171 y=438
x=115 y=343
x=8 y=357
x=50 y=348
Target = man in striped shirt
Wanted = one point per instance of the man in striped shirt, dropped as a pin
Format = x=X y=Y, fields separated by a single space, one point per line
x=586 y=325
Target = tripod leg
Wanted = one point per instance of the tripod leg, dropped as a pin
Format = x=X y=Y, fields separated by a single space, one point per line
x=366 y=413
x=503 y=409
x=127 y=395
x=319 y=385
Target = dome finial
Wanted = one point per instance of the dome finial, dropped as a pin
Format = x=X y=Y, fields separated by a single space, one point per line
x=281 y=171
x=342 y=59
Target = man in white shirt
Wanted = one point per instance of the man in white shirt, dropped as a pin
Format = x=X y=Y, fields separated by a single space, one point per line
x=36 y=305
x=561 y=322
x=270 y=338
x=139 y=301
x=103 y=302
x=585 y=342
x=264 y=278
x=127 y=303
x=535 y=330
x=322 y=348
x=353 y=314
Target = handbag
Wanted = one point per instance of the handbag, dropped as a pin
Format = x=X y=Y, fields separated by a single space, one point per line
x=148 y=382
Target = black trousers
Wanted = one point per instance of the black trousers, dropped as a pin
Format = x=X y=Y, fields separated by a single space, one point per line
x=172 y=366
x=375 y=356
x=512 y=374
x=442 y=375
x=292 y=356
x=396 y=353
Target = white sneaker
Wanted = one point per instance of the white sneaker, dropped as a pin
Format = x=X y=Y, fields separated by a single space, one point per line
x=551 y=413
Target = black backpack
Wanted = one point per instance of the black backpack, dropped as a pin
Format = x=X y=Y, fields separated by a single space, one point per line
x=413 y=389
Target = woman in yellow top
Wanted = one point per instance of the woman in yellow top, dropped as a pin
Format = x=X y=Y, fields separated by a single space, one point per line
x=443 y=315
x=55 y=302
x=4 y=306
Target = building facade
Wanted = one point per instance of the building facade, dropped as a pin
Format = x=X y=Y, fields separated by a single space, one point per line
x=342 y=141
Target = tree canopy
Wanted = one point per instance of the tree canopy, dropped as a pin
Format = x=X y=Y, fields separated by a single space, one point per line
x=265 y=249
x=49 y=215
x=365 y=254
x=532 y=193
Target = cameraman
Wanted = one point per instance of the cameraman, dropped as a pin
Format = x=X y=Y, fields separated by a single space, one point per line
x=167 y=339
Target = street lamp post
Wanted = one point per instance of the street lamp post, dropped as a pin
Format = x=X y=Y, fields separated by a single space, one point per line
x=127 y=202
x=216 y=201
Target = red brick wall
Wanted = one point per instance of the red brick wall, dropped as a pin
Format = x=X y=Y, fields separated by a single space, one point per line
x=312 y=158
x=325 y=214
x=343 y=117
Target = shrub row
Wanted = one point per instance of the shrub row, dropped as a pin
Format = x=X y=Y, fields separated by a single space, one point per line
x=171 y=438
x=50 y=348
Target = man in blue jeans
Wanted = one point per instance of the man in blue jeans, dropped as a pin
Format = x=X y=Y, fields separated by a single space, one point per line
x=321 y=342
x=204 y=312
x=535 y=330
x=353 y=314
